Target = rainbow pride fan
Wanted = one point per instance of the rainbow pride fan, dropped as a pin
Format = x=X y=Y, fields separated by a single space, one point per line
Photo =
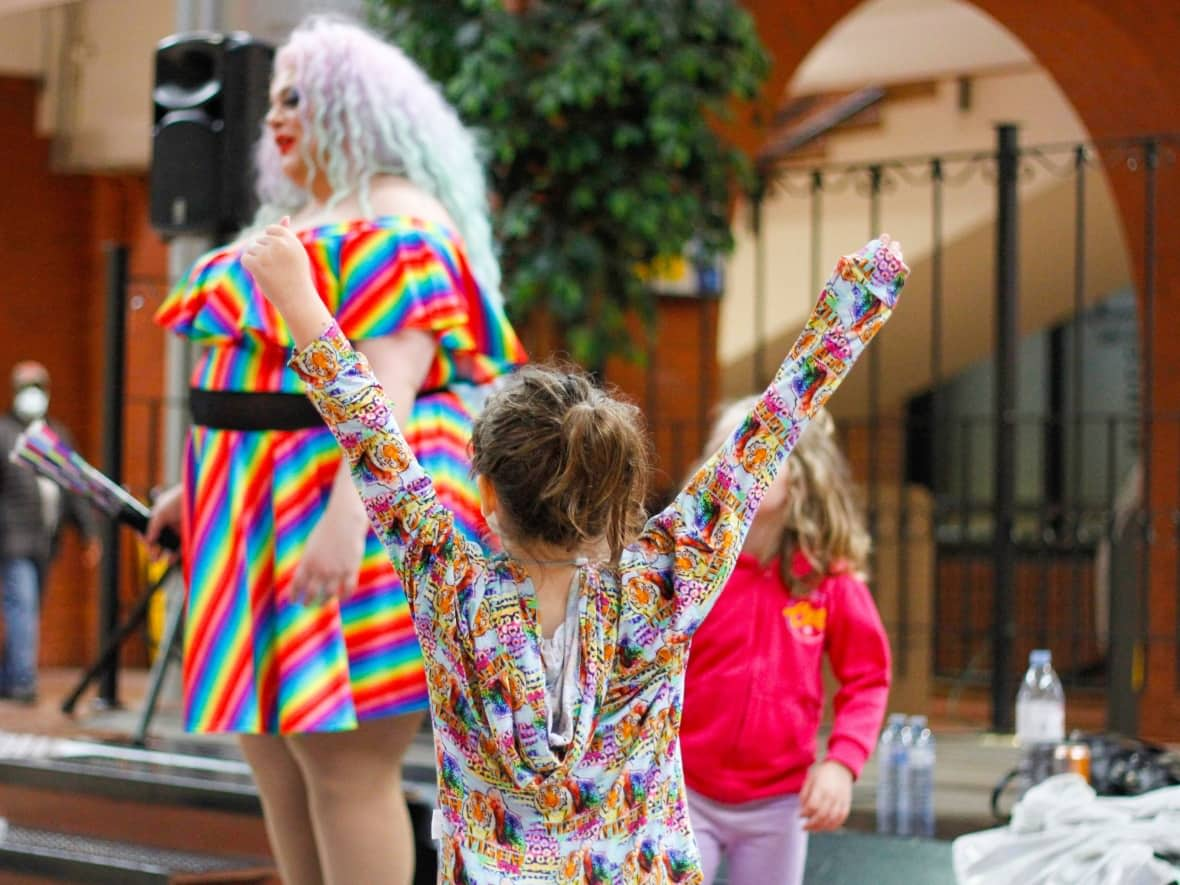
x=42 y=450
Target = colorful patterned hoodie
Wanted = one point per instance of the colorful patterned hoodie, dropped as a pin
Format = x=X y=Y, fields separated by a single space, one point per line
x=611 y=808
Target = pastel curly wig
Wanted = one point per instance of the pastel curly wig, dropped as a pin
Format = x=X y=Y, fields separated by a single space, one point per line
x=369 y=109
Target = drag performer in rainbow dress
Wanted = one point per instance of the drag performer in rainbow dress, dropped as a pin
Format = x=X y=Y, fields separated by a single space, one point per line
x=297 y=633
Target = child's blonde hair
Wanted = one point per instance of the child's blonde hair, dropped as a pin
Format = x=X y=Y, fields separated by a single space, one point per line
x=569 y=462
x=823 y=519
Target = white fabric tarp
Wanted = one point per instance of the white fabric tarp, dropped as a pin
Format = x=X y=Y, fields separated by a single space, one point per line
x=1062 y=833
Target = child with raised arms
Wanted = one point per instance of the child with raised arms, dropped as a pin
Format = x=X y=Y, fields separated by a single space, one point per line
x=556 y=667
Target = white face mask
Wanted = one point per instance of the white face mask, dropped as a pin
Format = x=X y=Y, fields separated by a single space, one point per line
x=30 y=403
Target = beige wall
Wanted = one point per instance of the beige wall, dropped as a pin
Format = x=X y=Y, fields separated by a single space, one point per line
x=920 y=126
x=95 y=61
x=22 y=42
x=110 y=123
x=893 y=43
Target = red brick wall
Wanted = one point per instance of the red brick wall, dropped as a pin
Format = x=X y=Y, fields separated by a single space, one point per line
x=679 y=363
x=46 y=266
x=1046 y=596
x=676 y=386
x=52 y=231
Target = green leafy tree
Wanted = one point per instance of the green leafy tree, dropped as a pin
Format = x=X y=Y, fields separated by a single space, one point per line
x=599 y=119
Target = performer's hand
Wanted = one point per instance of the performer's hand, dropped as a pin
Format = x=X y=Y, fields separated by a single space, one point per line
x=279 y=265
x=165 y=514
x=826 y=798
x=331 y=560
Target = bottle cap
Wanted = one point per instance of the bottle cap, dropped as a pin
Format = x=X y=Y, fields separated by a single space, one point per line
x=919 y=721
x=897 y=718
x=1038 y=657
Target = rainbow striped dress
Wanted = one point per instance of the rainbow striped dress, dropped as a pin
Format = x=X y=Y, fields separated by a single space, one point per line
x=255 y=661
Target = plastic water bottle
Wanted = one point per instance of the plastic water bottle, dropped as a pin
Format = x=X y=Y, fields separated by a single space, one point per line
x=1040 y=716
x=905 y=796
x=889 y=752
x=919 y=785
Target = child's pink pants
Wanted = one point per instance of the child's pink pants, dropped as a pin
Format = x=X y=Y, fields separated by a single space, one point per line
x=763 y=842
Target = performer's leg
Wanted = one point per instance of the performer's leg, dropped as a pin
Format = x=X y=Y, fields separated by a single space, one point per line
x=354 y=781
x=285 y=807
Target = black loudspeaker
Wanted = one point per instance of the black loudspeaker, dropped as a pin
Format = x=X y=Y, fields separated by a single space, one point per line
x=210 y=97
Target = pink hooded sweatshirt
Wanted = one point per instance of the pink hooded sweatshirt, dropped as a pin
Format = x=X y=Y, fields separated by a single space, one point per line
x=753 y=695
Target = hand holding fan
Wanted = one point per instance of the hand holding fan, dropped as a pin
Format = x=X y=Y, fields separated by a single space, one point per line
x=42 y=450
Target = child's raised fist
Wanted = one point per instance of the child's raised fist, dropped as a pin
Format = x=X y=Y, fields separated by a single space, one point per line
x=278 y=262
x=279 y=265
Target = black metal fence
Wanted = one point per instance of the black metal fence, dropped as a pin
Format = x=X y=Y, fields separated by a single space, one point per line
x=1032 y=456
x=1005 y=493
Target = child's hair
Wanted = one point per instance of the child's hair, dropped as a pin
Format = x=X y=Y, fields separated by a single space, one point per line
x=569 y=462
x=369 y=109
x=823 y=517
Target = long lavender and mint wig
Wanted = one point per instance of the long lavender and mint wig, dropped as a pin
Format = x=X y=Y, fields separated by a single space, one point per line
x=369 y=109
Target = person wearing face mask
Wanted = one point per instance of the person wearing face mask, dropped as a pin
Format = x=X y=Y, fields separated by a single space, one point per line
x=32 y=511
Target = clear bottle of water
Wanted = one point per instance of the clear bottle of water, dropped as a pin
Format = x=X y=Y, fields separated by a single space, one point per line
x=1040 y=717
x=888 y=770
x=905 y=796
x=919 y=783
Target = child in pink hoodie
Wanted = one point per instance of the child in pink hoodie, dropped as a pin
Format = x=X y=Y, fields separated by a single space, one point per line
x=748 y=733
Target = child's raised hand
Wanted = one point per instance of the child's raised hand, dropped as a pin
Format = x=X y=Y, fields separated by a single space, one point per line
x=279 y=265
x=278 y=262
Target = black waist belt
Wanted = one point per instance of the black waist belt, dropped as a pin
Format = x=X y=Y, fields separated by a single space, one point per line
x=243 y=410
x=239 y=410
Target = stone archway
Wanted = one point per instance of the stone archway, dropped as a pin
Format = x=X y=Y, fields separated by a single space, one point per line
x=1116 y=63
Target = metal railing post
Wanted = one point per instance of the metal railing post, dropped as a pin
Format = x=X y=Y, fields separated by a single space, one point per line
x=112 y=456
x=1004 y=504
